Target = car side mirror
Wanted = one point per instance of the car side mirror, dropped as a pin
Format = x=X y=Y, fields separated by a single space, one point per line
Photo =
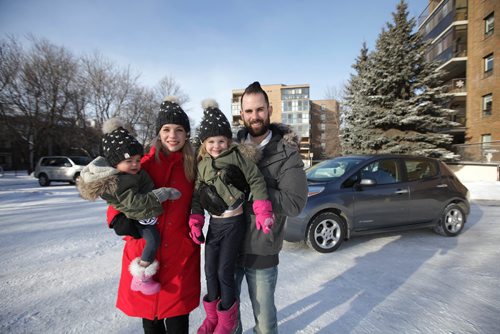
x=364 y=183
x=367 y=182
x=67 y=164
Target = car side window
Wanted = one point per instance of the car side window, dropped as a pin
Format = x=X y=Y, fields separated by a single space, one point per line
x=382 y=171
x=350 y=182
x=420 y=169
x=58 y=162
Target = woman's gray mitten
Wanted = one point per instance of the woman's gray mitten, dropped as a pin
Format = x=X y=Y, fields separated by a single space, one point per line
x=165 y=193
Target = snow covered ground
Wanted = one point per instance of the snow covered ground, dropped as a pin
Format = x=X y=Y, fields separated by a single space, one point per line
x=60 y=264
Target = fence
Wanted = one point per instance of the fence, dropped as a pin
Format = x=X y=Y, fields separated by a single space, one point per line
x=488 y=152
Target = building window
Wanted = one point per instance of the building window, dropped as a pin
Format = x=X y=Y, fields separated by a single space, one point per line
x=486 y=141
x=487 y=104
x=295 y=94
x=488 y=65
x=489 y=24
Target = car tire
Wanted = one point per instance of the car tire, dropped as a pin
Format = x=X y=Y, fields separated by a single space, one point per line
x=326 y=232
x=43 y=180
x=452 y=221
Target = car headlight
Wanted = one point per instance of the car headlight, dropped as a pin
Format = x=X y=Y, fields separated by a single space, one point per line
x=314 y=190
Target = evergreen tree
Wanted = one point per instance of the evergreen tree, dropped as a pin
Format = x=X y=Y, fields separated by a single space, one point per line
x=352 y=114
x=401 y=104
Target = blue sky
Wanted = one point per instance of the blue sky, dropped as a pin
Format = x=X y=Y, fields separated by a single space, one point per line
x=212 y=47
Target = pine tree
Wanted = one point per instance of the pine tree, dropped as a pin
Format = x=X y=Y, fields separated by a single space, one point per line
x=353 y=116
x=401 y=107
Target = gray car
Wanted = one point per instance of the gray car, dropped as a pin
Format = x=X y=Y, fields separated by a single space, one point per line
x=352 y=195
x=60 y=168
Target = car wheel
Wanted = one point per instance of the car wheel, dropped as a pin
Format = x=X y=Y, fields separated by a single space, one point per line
x=326 y=232
x=43 y=180
x=452 y=221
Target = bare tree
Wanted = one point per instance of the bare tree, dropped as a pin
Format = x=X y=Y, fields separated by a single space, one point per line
x=52 y=102
x=336 y=93
x=141 y=114
x=109 y=87
x=38 y=92
x=11 y=55
x=168 y=86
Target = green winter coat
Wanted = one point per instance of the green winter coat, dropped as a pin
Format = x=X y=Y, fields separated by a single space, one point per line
x=128 y=193
x=244 y=157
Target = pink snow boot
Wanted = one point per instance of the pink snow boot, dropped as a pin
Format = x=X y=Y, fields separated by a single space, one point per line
x=208 y=325
x=142 y=277
x=227 y=320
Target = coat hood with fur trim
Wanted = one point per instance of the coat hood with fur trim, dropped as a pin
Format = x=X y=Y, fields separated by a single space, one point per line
x=249 y=151
x=290 y=138
x=97 y=178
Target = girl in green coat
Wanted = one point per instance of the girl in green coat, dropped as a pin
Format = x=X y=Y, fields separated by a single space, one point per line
x=224 y=202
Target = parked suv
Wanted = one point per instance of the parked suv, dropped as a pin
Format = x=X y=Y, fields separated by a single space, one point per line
x=60 y=168
x=362 y=194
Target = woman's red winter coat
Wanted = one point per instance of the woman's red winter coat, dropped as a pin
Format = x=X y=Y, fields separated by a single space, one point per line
x=178 y=255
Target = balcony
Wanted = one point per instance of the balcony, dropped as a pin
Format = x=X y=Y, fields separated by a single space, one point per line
x=432 y=24
x=457 y=86
x=451 y=52
x=235 y=109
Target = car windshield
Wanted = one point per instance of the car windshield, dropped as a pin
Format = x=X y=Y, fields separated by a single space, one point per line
x=82 y=161
x=331 y=169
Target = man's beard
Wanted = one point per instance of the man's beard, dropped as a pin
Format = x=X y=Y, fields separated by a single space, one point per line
x=258 y=132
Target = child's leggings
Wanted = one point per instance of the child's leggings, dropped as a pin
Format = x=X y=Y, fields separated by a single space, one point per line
x=224 y=239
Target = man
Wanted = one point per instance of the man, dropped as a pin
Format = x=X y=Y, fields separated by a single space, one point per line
x=283 y=170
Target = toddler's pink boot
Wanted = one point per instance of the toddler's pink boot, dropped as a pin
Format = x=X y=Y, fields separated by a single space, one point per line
x=142 y=277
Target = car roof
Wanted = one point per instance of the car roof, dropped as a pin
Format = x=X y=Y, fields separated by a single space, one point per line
x=54 y=156
x=385 y=155
x=64 y=156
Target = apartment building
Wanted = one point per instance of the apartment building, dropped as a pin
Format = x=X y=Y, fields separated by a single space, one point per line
x=325 y=125
x=292 y=105
x=465 y=42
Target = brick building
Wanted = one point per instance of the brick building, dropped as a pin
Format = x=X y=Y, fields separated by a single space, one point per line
x=464 y=39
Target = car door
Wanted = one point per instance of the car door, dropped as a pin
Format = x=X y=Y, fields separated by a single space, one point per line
x=387 y=202
x=60 y=166
x=50 y=167
x=427 y=191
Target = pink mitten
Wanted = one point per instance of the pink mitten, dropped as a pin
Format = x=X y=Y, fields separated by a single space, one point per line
x=196 y=222
x=264 y=219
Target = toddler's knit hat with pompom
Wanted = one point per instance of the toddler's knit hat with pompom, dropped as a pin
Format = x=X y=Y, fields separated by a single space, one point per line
x=214 y=122
x=118 y=144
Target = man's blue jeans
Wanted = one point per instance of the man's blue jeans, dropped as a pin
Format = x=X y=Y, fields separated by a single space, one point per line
x=261 y=287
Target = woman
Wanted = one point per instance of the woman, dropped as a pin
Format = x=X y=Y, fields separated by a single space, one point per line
x=169 y=163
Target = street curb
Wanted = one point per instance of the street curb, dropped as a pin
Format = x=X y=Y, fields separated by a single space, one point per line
x=486 y=202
